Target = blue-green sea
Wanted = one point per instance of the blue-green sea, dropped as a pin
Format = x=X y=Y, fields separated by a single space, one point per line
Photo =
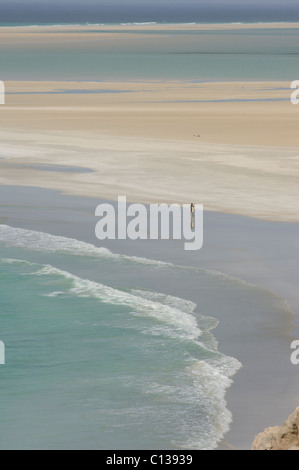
x=108 y=351
x=150 y=54
x=249 y=54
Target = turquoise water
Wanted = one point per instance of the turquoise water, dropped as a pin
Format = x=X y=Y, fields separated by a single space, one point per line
x=176 y=55
x=106 y=351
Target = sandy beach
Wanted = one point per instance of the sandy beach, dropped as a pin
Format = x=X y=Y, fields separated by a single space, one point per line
x=150 y=26
x=180 y=141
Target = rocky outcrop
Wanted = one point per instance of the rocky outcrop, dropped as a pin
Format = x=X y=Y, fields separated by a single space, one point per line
x=283 y=437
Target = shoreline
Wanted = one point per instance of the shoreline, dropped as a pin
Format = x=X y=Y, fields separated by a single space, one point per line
x=252 y=343
x=159 y=26
x=252 y=174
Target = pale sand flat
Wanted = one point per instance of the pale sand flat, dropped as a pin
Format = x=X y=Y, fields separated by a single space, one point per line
x=153 y=144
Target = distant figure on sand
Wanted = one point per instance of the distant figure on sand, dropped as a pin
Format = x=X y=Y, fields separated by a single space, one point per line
x=192 y=209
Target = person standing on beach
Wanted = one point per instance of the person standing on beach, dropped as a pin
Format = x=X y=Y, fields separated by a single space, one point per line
x=192 y=210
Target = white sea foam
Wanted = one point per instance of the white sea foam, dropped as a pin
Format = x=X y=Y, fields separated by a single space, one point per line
x=214 y=378
x=205 y=384
x=45 y=242
x=184 y=325
x=170 y=311
x=175 y=314
x=176 y=302
x=210 y=378
x=41 y=241
x=16 y=261
x=205 y=322
x=144 y=23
